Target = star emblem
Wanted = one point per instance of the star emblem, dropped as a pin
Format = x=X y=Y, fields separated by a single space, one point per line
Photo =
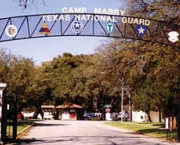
x=141 y=30
x=77 y=26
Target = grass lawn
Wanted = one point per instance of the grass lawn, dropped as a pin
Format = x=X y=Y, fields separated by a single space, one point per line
x=153 y=129
x=21 y=125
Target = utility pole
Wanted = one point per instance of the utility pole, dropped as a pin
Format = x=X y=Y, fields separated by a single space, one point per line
x=130 y=107
x=122 y=98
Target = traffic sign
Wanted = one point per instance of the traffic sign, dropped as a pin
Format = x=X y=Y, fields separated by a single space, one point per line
x=108 y=110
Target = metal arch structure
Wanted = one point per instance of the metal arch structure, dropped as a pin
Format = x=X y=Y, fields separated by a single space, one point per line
x=60 y=24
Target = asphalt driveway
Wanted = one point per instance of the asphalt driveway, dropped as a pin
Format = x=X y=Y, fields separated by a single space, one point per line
x=55 y=132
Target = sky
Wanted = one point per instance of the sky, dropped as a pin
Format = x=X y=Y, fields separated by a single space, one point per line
x=45 y=49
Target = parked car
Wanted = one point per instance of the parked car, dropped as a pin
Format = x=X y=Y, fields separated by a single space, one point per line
x=88 y=116
x=93 y=116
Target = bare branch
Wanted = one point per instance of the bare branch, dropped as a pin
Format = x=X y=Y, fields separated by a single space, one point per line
x=26 y=3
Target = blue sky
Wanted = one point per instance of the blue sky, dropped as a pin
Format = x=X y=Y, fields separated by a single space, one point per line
x=44 y=49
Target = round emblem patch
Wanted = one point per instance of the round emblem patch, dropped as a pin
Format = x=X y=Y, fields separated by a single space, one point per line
x=77 y=26
x=11 y=31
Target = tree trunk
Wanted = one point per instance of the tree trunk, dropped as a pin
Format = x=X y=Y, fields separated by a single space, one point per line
x=95 y=103
x=130 y=106
x=38 y=111
x=149 y=116
x=160 y=115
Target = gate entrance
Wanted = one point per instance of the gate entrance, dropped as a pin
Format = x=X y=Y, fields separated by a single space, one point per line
x=89 y=24
x=79 y=24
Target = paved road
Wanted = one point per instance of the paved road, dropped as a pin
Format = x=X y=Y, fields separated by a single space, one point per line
x=84 y=133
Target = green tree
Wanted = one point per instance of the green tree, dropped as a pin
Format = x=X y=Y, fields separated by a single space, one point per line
x=17 y=72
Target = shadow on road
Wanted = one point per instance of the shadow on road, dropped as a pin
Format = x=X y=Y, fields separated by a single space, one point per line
x=40 y=141
x=79 y=139
x=49 y=124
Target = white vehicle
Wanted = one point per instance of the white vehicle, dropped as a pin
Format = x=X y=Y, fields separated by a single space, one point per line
x=29 y=115
x=122 y=115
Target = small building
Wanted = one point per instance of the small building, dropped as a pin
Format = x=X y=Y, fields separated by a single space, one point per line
x=68 y=111
x=138 y=116
x=48 y=111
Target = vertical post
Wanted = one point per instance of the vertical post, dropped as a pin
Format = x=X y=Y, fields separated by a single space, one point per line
x=4 y=120
x=15 y=119
x=3 y=112
x=178 y=127
x=130 y=107
x=167 y=126
x=178 y=124
x=122 y=97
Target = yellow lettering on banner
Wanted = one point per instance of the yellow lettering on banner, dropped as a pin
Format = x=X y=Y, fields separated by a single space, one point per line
x=124 y=19
x=137 y=21
x=147 y=22
x=122 y=12
x=141 y=21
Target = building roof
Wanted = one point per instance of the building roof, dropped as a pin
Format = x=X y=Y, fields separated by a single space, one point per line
x=69 y=105
x=47 y=106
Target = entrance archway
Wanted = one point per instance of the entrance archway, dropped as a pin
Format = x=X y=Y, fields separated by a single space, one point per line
x=89 y=24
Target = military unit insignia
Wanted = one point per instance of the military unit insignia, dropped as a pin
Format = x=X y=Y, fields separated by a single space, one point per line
x=44 y=29
x=173 y=36
x=141 y=30
x=77 y=26
x=109 y=27
x=11 y=31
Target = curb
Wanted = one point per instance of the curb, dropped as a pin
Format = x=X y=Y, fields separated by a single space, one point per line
x=22 y=131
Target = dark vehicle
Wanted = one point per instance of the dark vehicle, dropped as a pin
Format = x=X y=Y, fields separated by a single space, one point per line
x=88 y=116
x=93 y=116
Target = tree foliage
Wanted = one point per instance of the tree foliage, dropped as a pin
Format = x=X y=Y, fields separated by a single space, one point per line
x=149 y=72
